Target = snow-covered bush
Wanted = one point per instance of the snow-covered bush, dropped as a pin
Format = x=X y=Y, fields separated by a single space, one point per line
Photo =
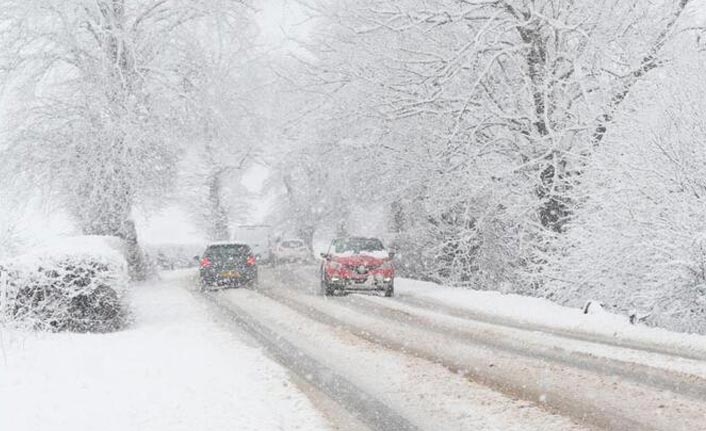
x=76 y=284
x=639 y=237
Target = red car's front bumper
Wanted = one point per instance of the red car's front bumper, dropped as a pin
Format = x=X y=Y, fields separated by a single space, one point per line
x=352 y=279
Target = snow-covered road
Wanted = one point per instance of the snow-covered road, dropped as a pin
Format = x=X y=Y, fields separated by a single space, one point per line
x=427 y=395
x=441 y=371
x=285 y=358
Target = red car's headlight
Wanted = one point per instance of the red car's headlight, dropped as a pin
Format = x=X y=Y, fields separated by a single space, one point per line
x=334 y=265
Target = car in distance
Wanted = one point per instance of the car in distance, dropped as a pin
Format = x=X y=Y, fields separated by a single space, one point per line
x=228 y=264
x=290 y=250
x=357 y=264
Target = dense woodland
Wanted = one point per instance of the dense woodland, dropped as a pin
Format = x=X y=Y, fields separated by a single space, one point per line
x=551 y=148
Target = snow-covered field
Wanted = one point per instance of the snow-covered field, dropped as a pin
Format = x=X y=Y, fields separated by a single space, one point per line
x=174 y=369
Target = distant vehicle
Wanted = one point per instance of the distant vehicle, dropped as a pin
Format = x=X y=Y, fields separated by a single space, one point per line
x=357 y=264
x=163 y=261
x=258 y=237
x=291 y=250
x=172 y=256
x=228 y=264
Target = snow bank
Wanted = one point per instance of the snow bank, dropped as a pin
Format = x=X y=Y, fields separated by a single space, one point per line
x=542 y=313
x=69 y=283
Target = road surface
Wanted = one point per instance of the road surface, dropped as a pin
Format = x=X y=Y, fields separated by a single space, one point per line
x=370 y=362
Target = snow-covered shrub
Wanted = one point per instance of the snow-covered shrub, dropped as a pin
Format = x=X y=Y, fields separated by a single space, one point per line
x=484 y=242
x=76 y=284
x=638 y=240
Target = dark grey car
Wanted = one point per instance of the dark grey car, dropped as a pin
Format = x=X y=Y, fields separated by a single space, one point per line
x=229 y=265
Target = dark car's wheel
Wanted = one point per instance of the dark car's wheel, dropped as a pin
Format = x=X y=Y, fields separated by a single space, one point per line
x=326 y=289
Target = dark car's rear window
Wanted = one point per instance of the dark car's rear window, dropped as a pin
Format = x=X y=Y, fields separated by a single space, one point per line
x=227 y=251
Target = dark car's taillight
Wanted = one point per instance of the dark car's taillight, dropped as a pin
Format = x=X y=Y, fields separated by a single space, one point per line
x=251 y=261
x=205 y=263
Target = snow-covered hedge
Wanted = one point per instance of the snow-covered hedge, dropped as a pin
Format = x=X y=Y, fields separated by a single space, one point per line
x=75 y=284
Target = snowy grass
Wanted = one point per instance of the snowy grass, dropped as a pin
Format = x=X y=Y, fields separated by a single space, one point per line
x=175 y=369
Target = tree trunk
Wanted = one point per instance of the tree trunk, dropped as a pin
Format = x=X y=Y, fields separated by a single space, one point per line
x=342 y=228
x=137 y=263
x=397 y=219
x=218 y=215
x=121 y=226
x=307 y=235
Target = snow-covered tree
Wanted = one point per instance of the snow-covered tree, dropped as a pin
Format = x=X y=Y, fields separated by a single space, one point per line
x=482 y=115
x=100 y=112
x=638 y=239
x=226 y=131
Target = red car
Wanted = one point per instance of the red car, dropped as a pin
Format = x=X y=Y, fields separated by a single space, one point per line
x=357 y=264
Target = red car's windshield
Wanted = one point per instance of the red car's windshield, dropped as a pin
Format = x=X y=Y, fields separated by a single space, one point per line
x=357 y=245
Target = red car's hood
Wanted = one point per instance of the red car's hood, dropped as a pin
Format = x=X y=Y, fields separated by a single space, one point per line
x=359 y=259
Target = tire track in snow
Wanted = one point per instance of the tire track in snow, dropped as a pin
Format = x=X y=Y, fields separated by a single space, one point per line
x=602 y=400
x=305 y=273
x=369 y=410
x=658 y=378
x=424 y=392
x=679 y=382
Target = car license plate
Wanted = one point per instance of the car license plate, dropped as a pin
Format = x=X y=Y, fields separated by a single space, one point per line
x=230 y=274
